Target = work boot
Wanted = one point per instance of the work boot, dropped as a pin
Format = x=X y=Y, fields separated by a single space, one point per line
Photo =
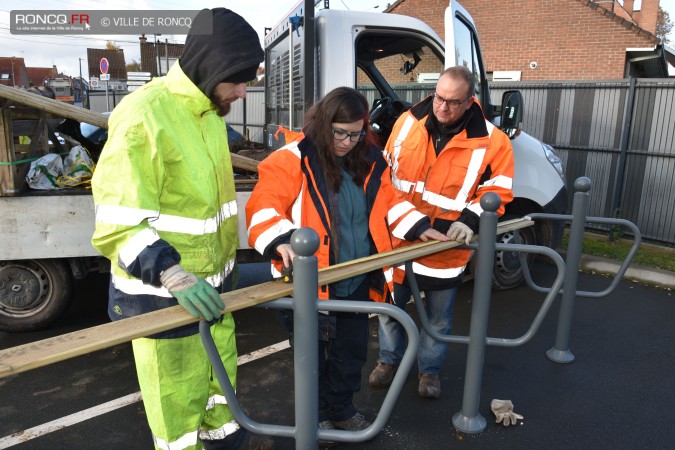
x=382 y=375
x=326 y=425
x=355 y=423
x=430 y=386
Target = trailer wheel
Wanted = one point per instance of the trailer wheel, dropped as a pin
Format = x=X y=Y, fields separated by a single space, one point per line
x=33 y=293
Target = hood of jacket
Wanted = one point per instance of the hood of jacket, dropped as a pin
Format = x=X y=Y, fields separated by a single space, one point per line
x=232 y=47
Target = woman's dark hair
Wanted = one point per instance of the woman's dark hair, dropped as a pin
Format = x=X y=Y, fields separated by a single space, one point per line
x=341 y=105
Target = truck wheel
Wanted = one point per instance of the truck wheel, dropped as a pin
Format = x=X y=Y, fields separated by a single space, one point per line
x=507 y=273
x=33 y=293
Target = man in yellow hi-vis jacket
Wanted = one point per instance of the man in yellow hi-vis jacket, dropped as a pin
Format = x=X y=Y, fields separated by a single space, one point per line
x=166 y=217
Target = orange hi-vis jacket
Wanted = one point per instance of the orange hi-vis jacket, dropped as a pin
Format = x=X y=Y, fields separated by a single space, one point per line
x=448 y=187
x=292 y=192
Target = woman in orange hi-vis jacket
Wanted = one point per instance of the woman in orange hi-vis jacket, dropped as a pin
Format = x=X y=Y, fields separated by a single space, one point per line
x=337 y=182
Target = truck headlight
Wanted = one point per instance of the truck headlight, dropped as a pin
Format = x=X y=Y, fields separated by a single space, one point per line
x=554 y=159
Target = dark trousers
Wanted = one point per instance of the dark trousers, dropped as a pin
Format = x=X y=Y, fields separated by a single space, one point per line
x=343 y=350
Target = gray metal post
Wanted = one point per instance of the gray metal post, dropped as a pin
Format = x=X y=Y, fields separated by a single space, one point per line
x=469 y=420
x=305 y=243
x=560 y=352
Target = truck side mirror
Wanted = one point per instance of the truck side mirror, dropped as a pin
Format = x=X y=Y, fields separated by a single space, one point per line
x=512 y=113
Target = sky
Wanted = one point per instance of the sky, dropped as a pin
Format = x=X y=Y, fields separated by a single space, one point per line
x=65 y=52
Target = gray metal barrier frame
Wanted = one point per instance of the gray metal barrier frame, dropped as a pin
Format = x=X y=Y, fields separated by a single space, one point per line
x=305 y=306
x=560 y=351
x=468 y=420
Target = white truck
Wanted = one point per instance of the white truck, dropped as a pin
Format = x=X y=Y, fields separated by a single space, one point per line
x=388 y=55
x=45 y=239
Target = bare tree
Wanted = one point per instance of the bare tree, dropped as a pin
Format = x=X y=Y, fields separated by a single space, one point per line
x=110 y=45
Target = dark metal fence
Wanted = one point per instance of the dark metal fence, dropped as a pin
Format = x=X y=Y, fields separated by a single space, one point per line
x=620 y=134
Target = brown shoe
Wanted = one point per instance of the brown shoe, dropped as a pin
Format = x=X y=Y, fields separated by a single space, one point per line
x=430 y=386
x=382 y=375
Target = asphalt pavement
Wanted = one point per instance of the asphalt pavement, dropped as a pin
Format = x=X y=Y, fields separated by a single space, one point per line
x=616 y=394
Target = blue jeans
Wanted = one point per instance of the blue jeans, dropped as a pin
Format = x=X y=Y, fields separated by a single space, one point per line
x=439 y=307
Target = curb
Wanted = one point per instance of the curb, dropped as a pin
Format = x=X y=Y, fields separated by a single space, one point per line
x=641 y=274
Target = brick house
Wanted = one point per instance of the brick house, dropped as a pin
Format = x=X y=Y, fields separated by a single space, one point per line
x=558 y=39
x=13 y=72
x=37 y=76
x=158 y=57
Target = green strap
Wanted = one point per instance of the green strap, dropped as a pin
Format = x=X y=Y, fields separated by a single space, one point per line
x=22 y=161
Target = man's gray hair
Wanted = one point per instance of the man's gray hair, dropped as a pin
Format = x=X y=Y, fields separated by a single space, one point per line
x=461 y=73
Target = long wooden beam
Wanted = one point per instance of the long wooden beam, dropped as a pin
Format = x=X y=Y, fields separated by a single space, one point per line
x=62 y=109
x=59 y=348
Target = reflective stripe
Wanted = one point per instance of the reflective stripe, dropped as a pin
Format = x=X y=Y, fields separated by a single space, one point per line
x=215 y=400
x=499 y=181
x=262 y=216
x=187 y=225
x=400 y=138
x=476 y=208
x=490 y=127
x=122 y=215
x=389 y=275
x=406 y=224
x=219 y=433
x=476 y=162
x=275 y=272
x=293 y=148
x=185 y=441
x=136 y=244
x=134 y=286
x=401 y=185
x=442 y=201
x=399 y=210
x=273 y=232
x=459 y=203
x=420 y=269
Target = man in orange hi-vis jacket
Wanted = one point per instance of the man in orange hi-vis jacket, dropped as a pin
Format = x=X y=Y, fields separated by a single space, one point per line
x=444 y=157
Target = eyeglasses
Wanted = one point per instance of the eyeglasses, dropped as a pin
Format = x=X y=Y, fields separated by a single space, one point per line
x=451 y=104
x=341 y=135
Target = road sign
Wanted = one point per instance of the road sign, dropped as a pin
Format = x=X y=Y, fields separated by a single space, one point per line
x=103 y=65
x=138 y=77
x=105 y=77
x=138 y=74
x=93 y=82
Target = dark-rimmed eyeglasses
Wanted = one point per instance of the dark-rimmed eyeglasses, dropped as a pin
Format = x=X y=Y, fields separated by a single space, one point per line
x=341 y=135
x=451 y=104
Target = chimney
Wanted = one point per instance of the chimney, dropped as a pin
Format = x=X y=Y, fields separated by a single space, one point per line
x=143 y=39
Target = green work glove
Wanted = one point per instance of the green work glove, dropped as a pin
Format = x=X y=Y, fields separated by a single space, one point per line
x=194 y=294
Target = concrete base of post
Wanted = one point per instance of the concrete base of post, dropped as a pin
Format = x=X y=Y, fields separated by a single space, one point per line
x=560 y=356
x=471 y=425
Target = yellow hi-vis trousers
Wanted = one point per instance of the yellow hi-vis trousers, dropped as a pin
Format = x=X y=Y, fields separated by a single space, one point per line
x=182 y=398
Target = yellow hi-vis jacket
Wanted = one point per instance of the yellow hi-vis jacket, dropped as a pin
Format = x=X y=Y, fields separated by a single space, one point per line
x=165 y=176
x=448 y=187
